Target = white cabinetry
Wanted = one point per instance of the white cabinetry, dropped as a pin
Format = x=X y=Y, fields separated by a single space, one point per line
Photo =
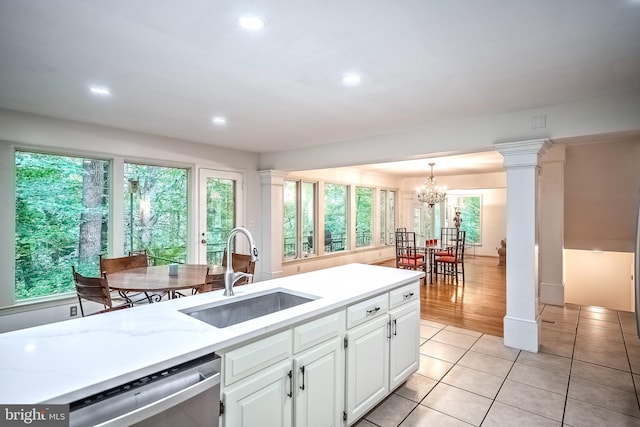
x=262 y=400
x=382 y=347
x=296 y=375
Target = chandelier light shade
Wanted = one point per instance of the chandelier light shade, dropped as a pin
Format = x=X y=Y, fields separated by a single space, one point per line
x=430 y=193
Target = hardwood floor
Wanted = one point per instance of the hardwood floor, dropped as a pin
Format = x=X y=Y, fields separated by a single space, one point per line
x=478 y=304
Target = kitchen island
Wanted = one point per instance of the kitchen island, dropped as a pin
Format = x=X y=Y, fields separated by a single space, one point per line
x=66 y=361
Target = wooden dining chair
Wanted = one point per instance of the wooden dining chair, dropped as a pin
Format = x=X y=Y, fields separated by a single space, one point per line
x=452 y=263
x=242 y=263
x=96 y=289
x=212 y=282
x=113 y=265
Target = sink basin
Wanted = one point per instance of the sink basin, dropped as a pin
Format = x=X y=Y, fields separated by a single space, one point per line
x=223 y=314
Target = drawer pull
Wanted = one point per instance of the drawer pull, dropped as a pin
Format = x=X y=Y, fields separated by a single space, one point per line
x=373 y=310
x=409 y=295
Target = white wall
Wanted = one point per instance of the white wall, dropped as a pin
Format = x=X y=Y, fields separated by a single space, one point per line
x=575 y=119
x=603 y=279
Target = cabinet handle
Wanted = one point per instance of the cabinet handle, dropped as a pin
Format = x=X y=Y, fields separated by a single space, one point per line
x=290 y=375
x=302 y=386
x=373 y=310
x=395 y=327
x=409 y=295
x=389 y=329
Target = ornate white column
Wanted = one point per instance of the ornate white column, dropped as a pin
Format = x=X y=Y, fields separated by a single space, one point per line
x=552 y=226
x=272 y=214
x=521 y=161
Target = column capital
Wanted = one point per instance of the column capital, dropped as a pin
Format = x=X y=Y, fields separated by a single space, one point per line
x=522 y=153
x=272 y=177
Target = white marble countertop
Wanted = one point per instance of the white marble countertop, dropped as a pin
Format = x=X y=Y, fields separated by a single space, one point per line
x=65 y=361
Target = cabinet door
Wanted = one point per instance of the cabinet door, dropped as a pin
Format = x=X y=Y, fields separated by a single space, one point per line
x=367 y=366
x=319 y=386
x=404 y=358
x=264 y=399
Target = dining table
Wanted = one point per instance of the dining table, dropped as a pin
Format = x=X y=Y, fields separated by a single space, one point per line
x=429 y=256
x=156 y=282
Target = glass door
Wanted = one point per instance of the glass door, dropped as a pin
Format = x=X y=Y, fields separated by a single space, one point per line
x=220 y=211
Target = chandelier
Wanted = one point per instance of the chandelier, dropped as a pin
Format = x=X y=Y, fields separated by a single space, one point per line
x=431 y=193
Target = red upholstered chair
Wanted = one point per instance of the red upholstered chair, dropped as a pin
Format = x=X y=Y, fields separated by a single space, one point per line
x=452 y=263
x=448 y=236
x=407 y=240
x=410 y=258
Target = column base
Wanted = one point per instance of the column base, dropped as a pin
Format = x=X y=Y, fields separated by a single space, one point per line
x=552 y=293
x=522 y=334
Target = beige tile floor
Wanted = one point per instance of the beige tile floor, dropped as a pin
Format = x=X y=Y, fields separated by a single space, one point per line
x=587 y=373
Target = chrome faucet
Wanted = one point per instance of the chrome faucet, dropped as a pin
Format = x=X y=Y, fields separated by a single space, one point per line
x=230 y=276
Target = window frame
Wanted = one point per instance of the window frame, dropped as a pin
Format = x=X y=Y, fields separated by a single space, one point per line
x=450 y=213
x=11 y=299
x=187 y=199
x=387 y=235
x=346 y=240
x=373 y=211
x=300 y=237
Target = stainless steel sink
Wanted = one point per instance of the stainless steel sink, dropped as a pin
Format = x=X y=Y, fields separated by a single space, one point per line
x=223 y=314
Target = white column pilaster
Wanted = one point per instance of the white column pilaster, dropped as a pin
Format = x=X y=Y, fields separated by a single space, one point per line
x=552 y=226
x=272 y=213
x=521 y=162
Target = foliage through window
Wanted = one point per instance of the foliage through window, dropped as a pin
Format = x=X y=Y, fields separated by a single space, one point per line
x=62 y=206
x=155 y=209
x=299 y=219
x=470 y=207
x=335 y=217
x=220 y=215
x=387 y=217
x=364 y=216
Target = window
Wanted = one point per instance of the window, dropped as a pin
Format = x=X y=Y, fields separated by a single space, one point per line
x=219 y=211
x=387 y=217
x=155 y=209
x=364 y=216
x=299 y=219
x=470 y=207
x=335 y=217
x=62 y=207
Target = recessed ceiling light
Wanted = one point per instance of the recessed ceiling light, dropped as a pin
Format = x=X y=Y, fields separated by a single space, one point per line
x=250 y=22
x=100 y=90
x=351 y=79
x=219 y=120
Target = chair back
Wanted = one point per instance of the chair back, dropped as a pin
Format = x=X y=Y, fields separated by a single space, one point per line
x=94 y=289
x=212 y=282
x=406 y=239
x=448 y=236
x=459 y=248
x=242 y=263
x=113 y=265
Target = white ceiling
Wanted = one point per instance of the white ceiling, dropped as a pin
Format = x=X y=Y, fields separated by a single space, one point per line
x=173 y=65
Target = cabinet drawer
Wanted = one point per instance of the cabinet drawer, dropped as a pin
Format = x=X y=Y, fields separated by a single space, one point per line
x=404 y=294
x=255 y=357
x=318 y=331
x=367 y=310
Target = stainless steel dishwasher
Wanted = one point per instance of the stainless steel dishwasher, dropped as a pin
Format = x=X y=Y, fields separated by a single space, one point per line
x=186 y=395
